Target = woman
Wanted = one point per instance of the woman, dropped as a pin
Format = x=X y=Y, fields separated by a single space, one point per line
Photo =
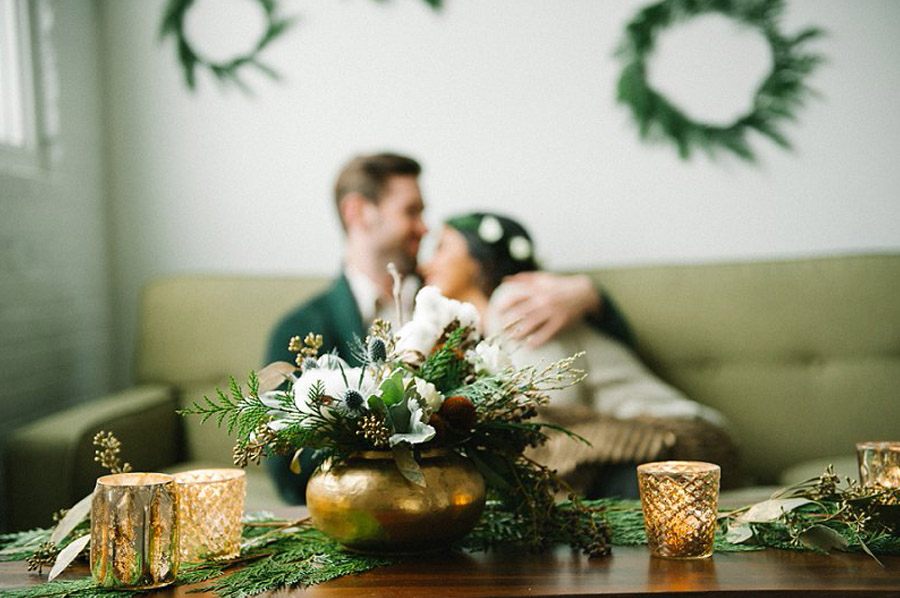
x=475 y=253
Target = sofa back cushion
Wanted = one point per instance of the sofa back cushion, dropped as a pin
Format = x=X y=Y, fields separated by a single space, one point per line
x=802 y=356
x=195 y=329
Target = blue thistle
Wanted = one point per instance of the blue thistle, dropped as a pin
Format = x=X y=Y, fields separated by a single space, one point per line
x=376 y=350
x=353 y=399
x=309 y=364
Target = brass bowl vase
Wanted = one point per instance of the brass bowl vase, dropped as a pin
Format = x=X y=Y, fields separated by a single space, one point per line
x=367 y=505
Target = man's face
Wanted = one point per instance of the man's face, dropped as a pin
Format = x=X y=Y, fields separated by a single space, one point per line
x=395 y=224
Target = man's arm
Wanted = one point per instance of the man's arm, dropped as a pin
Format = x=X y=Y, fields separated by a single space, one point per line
x=542 y=304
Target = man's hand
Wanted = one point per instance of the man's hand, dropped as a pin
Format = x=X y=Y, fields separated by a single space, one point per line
x=538 y=305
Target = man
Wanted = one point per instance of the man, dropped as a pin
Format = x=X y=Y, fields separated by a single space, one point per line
x=380 y=207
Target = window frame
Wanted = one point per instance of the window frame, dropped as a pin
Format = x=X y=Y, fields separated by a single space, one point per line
x=30 y=156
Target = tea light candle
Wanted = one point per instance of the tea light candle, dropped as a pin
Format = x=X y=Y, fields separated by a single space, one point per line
x=879 y=464
x=680 y=504
x=134 y=535
x=210 y=509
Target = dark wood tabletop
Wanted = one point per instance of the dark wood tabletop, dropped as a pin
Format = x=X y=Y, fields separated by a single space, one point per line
x=630 y=571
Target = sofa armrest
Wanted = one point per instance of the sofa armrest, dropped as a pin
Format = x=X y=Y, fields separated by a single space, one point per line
x=49 y=463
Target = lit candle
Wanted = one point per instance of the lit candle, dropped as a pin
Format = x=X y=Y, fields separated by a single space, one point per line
x=680 y=505
x=210 y=510
x=879 y=464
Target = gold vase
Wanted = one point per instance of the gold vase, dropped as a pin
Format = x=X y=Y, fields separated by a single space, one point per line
x=368 y=506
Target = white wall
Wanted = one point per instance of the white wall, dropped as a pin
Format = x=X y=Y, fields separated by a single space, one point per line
x=510 y=105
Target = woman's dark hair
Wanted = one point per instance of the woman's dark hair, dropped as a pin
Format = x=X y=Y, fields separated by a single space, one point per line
x=499 y=244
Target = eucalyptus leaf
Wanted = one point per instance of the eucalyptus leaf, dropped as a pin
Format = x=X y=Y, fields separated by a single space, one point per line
x=67 y=555
x=821 y=537
x=78 y=513
x=295 y=462
x=738 y=533
x=771 y=510
x=274 y=375
x=406 y=463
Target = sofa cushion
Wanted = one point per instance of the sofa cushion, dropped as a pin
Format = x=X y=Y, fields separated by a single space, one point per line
x=195 y=329
x=802 y=356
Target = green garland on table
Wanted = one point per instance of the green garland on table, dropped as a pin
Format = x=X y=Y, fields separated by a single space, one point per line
x=776 y=100
x=279 y=553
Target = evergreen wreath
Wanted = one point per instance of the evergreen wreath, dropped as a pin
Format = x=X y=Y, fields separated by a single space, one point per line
x=227 y=72
x=776 y=100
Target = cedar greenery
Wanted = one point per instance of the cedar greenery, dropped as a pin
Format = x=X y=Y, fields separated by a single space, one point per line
x=776 y=100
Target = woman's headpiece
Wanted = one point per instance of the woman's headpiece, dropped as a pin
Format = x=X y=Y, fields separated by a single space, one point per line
x=501 y=245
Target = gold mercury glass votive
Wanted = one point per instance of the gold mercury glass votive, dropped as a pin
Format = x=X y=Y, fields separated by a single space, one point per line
x=879 y=464
x=680 y=503
x=134 y=535
x=210 y=509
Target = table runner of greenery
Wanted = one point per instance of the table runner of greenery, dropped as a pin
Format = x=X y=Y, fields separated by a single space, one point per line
x=816 y=515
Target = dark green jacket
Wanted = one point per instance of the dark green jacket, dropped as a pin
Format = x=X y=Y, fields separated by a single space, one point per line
x=335 y=315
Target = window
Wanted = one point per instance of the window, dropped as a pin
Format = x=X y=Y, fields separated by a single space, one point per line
x=19 y=138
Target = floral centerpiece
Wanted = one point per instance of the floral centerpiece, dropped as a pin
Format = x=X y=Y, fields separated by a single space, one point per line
x=435 y=386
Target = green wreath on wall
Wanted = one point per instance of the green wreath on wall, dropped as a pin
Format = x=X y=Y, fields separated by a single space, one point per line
x=229 y=71
x=777 y=99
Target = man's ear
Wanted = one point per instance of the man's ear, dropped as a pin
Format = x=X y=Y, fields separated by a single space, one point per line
x=353 y=210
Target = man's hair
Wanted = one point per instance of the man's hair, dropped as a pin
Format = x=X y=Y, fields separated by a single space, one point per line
x=368 y=176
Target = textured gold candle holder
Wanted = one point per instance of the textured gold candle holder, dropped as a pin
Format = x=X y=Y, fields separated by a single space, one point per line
x=134 y=535
x=879 y=464
x=680 y=504
x=210 y=509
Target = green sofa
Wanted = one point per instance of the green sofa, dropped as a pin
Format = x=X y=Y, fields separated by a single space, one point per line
x=802 y=356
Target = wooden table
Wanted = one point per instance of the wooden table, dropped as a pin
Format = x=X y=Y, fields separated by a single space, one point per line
x=628 y=572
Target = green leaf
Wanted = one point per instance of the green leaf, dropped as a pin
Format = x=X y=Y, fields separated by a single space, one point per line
x=398 y=417
x=392 y=389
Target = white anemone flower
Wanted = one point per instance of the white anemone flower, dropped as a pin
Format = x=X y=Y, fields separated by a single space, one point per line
x=334 y=383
